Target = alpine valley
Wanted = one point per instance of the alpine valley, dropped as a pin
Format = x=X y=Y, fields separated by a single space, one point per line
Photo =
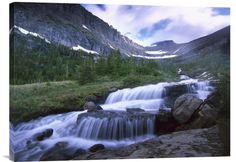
x=79 y=90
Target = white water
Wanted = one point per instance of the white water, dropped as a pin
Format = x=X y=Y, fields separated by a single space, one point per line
x=143 y=92
x=112 y=132
x=147 y=105
x=65 y=128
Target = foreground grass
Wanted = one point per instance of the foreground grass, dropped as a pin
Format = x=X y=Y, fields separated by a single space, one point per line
x=39 y=99
x=29 y=101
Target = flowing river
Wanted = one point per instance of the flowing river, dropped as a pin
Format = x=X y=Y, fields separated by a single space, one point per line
x=114 y=128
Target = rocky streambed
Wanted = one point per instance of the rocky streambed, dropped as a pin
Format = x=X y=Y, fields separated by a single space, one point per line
x=143 y=122
x=189 y=143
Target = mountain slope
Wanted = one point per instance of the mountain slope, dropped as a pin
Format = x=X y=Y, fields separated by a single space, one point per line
x=204 y=45
x=70 y=25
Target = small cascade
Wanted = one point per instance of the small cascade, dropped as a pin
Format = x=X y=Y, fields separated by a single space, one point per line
x=203 y=89
x=147 y=105
x=119 y=127
x=139 y=93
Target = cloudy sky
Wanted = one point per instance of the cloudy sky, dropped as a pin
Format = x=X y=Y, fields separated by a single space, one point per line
x=148 y=24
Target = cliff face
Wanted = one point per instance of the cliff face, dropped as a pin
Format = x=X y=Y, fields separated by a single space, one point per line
x=71 y=25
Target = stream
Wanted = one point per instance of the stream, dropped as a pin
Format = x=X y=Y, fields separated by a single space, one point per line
x=114 y=128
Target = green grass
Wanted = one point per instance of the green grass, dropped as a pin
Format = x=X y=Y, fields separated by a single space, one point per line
x=29 y=101
x=39 y=99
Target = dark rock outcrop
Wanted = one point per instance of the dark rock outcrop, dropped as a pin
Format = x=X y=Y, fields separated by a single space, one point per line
x=190 y=143
x=96 y=147
x=198 y=114
x=165 y=122
x=184 y=107
x=134 y=110
x=205 y=117
x=58 y=152
x=172 y=92
x=43 y=135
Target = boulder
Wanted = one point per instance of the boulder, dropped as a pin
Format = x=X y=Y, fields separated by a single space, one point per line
x=96 y=98
x=205 y=117
x=96 y=147
x=172 y=92
x=165 y=122
x=58 y=152
x=178 y=90
x=43 y=135
x=185 y=106
x=91 y=106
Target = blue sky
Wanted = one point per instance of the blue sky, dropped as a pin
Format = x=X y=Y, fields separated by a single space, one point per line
x=148 y=24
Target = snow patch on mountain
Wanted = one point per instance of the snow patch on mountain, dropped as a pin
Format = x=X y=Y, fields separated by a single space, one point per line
x=111 y=46
x=155 y=57
x=159 y=52
x=78 y=47
x=26 y=32
x=85 y=27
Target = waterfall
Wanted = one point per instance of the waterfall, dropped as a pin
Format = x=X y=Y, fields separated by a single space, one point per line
x=203 y=89
x=115 y=128
x=138 y=93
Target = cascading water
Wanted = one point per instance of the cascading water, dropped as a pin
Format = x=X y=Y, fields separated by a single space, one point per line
x=139 y=93
x=114 y=127
x=117 y=126
x=203 y=89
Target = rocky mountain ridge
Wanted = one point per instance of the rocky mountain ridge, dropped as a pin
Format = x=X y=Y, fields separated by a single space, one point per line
x=70 y=25
x=217 y=40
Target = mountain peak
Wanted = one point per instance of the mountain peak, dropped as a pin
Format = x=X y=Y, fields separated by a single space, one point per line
x=72 y=26
x=165 y=42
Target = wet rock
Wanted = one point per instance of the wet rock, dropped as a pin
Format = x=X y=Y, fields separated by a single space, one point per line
x=91 y=106
x=43 y=135
x=172 y=92
x=96 y=147
x=99 y=107
x=178 y=90
x=184 y=107
x=205 y=117
x=133 y=110
x=165 y=122
x=58 y=152
x=195 y=143
x=79 y=152
x=113 y=114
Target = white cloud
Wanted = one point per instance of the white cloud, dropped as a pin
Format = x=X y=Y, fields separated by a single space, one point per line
x=187 y=23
